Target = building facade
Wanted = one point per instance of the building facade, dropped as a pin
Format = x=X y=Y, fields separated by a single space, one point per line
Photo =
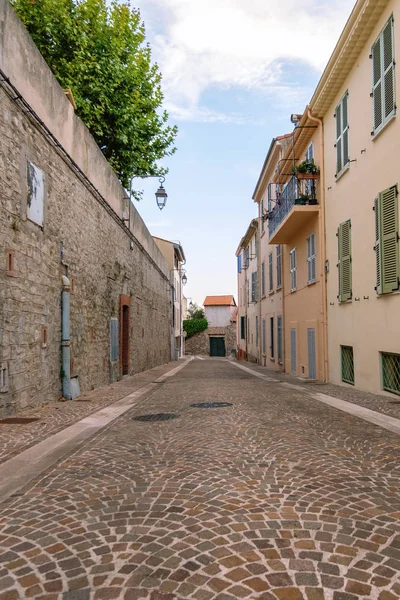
x=85 y=296
x=248 y=325
x=175 y=257
x=361 y=140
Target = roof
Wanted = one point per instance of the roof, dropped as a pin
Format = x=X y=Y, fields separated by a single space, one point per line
x=251 y=230
x=219 y=301
x=176 y=246
x=278 y=139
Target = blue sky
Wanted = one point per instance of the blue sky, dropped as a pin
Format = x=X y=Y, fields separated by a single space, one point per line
x=233 y=72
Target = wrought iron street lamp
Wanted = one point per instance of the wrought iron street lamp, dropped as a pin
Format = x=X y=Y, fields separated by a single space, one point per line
x=161 y=195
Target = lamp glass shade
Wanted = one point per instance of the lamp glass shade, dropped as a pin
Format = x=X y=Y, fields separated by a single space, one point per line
x=184 y=280
x=161 y=197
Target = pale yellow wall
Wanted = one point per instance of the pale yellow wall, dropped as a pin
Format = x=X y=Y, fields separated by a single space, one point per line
x=303 y=308
x=371 y=324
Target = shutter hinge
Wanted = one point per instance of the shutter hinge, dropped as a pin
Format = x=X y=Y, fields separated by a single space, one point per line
x=371 y=95
x=334 y=116
x=334 y=145
x=373 y=208
x=375 y=288
x=370 y=56
x=372 y=132
x=374 y=248
x=397 y=236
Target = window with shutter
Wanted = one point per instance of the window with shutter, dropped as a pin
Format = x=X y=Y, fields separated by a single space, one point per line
x=239 y=263
x=342 y=135
x=311 y=259
x=278 y=266
x=243 y=328
x=387 y=241
x=254 y=286
x=344 y=262
x=271 y=338
x=264 y=337
x=383 y=81
x=256 y=330
x=280 y=338
x=293 y=270
x=271 y=274
x=261 y=216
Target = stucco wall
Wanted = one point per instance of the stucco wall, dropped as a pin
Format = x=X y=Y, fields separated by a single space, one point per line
x=218 y=316
x=370 y=324
x=104 y=261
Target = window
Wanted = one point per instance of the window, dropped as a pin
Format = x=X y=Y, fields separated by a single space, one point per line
x=309 y=158
x=246 y=257
x=263 y=279
x=262 y=215
x=280 y=338
x=342 y=134
x=256 y=330
x=278 y=266
x=242 y=328
x=344 y=262
x=10 y=262
x=271 y=274
x=248 y=329
x=391 y=372
x=383 y=90
x=239 y=263
x=293 y=270
x=347 y=364
x=311 y=268
x=386 y=241
x=254 y=286
x=264 y=337
x=271 y=338
x=35 y=178
x=3 y=378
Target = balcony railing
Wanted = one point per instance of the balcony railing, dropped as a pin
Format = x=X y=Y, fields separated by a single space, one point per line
x=300 y=190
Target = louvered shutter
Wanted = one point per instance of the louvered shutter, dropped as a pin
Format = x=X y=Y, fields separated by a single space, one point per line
x=377 y=83
x=377 y=208
x=339 y=158
x=345 y=130
x=389 y=233
x=345 y=270
x=388 y=69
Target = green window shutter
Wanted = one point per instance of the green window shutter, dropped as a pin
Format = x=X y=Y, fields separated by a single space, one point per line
x=389 y=236
x=377 y=209
x=339 y=158
x=388 y=69
x=345 y=130
x=377 y=83
x=345 y=269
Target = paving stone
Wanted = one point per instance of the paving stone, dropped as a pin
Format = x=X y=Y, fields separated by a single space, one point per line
x=264 y=499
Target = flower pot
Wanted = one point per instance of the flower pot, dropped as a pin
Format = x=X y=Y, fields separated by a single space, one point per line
x=307 y=175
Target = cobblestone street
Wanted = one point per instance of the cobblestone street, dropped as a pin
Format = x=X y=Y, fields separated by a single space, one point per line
x=277 y=496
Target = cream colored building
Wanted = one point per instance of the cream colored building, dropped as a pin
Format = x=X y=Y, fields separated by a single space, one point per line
x=356 y=98
x=175 y=257
x=270 y=272
x=248 y=327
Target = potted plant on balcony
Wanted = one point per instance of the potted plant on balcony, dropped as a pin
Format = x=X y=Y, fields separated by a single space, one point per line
x=306 y=170
x=302 y=200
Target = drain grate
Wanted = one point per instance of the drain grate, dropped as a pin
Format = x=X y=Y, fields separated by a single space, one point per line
x=156 y=417
x=18 y=420
x=211 y=404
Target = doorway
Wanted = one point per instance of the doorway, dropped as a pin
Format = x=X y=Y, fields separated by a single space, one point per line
x=124 y=334
x=217 y=346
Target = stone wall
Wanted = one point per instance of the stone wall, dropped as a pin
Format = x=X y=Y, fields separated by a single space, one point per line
x=106 y=261
x=199 y=344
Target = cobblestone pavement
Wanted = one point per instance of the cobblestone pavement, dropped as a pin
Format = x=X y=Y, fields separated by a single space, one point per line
x=276 y=497
x=387 y=404
x=55 y=416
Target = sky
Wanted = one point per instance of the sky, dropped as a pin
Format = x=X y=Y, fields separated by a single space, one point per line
x=233 y=73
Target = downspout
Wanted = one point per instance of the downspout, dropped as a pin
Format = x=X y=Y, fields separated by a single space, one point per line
x=65 y=339
x=259 y=296
x=65 y=330
x=322 y=234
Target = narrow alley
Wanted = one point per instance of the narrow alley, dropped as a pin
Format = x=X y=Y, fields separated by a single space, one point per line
x=270 y=495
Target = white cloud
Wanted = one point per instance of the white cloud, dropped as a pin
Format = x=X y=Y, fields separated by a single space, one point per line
x=204 y=44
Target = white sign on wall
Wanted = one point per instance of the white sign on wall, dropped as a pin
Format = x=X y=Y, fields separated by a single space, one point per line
x=35 y=194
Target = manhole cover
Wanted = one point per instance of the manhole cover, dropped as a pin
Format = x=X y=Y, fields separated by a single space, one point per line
x=211 y=404
x=157 y=417
x=18 y=420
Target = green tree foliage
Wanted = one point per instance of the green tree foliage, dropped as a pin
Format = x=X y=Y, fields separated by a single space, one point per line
x=98 y=50
x=195 y=312
x=192 y=326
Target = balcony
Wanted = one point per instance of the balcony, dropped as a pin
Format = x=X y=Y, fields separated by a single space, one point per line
x=291 y=206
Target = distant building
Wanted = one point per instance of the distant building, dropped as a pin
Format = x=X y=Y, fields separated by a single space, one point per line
x=219 y=339
x=175 y=257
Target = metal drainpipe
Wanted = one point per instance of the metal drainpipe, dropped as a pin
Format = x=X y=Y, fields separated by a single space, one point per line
x=323 y=246
x=65 y=339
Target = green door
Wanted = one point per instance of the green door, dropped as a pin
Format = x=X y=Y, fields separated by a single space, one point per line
x=217 y=346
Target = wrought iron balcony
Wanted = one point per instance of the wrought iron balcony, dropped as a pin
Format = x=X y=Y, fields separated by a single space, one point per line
x=290 y=205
